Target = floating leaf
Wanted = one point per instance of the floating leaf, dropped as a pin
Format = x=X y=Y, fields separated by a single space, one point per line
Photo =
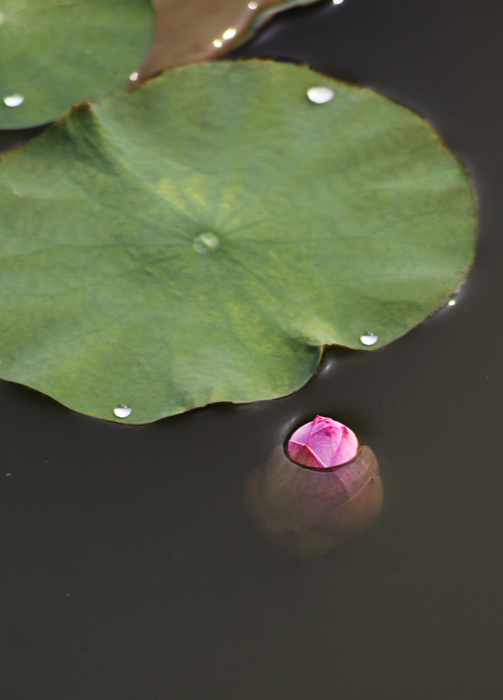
x=59 y=52
x=201 y=239
x=188 y=31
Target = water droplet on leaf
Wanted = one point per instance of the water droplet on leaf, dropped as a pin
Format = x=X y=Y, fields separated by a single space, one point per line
x=13 y=100
x=217 y=43
x=320 y=94
x=252 y=5
x=229 y=33
x=122 y=410
x=369 y=338
x=133 y=77
x=206 y=243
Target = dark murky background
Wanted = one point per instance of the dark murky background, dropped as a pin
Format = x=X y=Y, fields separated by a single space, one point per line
x=128 y=567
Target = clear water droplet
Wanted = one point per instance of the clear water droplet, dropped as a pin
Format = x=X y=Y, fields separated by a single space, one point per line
x=218 y=43
x=337 y=2
x=452 y=300
x=320 y=94
x=369 y=338
x=252 y=5
x=133 y=77
x=206 y=243
x=13 y=100
x=446 y=304
x=122 y=410
x=229 y=34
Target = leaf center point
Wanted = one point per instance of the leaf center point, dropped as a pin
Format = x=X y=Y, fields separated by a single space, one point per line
x=206 y=243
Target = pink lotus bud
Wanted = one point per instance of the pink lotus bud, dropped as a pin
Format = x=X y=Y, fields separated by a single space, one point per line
x=322 y=443
x=306 y=512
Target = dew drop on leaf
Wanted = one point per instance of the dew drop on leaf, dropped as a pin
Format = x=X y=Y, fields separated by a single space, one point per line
x=320 y=94
x=13 y=100
x=206 y=243
x=122 y=410
x=369 y=338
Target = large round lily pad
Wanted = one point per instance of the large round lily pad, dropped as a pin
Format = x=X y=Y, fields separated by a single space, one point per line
x=55 y=53
x=201 y=239
x=187 y=31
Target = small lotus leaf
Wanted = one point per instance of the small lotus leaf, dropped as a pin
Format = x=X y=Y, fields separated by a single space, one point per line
x=201 y=239
x=188 y=31
x=55 y=53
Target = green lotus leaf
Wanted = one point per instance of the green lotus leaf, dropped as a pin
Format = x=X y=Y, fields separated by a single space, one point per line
x=188 y=31
x=55 y=53
x=201 y=239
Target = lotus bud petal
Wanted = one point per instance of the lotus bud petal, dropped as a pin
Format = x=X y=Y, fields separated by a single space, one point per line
x=322 y=443
x=305 y=510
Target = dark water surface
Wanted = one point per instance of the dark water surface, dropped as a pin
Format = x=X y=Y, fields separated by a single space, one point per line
x=128 y=566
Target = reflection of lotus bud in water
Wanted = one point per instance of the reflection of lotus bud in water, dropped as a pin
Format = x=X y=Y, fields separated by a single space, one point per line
x=307 y=510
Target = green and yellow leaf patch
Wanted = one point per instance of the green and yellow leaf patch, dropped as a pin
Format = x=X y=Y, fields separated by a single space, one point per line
x=55 y=53
x=201 y=239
